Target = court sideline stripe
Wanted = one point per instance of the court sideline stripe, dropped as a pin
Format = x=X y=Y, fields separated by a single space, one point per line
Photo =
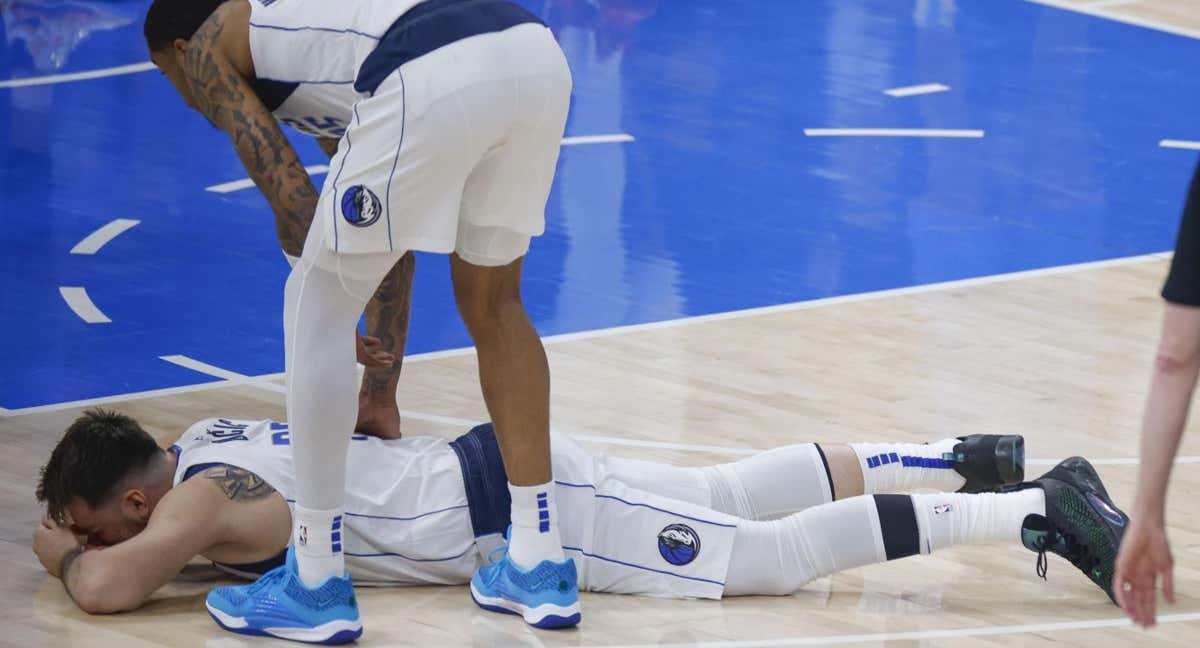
x=78 y=76
x=232 y=377
x=246 y=183
x=916 y=635
x=671 y=323
x=463 y=424
x=1100 y=11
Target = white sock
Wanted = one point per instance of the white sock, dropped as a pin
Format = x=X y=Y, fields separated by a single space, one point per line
x=947 y=519
x=534 y=526
x=317 y=536
x=780 y=556
x=905 y=467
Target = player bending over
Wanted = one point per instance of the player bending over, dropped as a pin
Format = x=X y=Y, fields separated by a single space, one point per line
x=422 y=510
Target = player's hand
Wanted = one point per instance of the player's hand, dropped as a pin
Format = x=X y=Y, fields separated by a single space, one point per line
x=1145 y=555
x=370 y=352
x=52 y=541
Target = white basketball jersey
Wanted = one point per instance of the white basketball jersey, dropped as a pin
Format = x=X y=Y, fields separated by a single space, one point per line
x=407 y=519
x=318 y=45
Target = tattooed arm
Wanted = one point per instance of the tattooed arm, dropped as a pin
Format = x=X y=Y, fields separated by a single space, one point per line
x=387 y=322
x=224 y=507
x=329 y=145
x=387 y=319
x=217 y=66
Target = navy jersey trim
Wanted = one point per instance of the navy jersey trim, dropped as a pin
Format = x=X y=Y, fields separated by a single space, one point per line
x=432 y=25
x=272 y=93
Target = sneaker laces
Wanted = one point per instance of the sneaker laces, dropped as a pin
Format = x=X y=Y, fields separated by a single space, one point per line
x=1077 y=553
x=269 y=578
x=1042 y=562
x=497 y=554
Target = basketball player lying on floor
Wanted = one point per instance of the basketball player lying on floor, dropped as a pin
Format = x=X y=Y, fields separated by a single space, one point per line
x=423 y=510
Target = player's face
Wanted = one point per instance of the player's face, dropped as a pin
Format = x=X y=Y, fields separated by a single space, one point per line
x=105 y=525
x=170 y=62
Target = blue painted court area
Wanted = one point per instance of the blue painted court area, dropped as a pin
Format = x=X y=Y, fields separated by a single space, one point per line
x=721 y=203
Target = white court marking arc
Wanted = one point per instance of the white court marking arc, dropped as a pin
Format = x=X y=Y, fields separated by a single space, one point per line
x=92 y=243
x=78 y=300
x=316 y=169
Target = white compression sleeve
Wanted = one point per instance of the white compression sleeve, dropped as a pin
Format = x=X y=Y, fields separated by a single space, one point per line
x=321 y=308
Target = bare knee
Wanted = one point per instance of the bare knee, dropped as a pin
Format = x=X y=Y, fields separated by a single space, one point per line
x=487 y=298
x=1176 y=356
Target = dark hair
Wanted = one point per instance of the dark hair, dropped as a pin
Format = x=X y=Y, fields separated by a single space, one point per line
x=167 y=20
x=99 y=450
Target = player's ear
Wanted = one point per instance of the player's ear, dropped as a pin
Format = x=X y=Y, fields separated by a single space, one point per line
x=179 y=45
x=135 y=502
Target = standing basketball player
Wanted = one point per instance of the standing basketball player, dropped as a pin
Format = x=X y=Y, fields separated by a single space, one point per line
x=452 y=112
x=1146 y=555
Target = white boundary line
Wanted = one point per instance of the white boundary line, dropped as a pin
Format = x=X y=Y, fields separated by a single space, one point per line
x=893 y=132
x=1188 y=145
x=246 y=183
x=597 y=139
x=78 y=76
x=228 y=377
x=79 y=301
x=92 y=243
x=914 y=90
x=1101 y=11
x=684 y=321
x=916 y=635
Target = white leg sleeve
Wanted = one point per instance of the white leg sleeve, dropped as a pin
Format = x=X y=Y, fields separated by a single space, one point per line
x=322 y=304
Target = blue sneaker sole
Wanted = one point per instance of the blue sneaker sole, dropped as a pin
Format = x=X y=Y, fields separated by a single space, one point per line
x=338 y=638
x=549 y=622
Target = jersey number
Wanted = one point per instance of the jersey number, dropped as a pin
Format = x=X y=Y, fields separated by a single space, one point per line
x=283 y=437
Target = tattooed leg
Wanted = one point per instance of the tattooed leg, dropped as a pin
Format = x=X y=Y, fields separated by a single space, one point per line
x=387 y=319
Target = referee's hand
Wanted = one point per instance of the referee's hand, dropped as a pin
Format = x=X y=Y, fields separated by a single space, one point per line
x=1145 y=556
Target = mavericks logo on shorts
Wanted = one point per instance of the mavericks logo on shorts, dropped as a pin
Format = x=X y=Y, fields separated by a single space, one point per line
x=360 y=206
x=678 y=544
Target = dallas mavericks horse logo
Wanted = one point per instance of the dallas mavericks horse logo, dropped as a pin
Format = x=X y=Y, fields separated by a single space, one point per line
x=360 y=206
x=678 y=544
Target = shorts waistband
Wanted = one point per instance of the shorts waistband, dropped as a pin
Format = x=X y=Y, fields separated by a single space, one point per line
x=432 y=25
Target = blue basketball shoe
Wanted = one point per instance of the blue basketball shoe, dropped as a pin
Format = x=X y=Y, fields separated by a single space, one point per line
x=546 y=596
x=279 y=605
